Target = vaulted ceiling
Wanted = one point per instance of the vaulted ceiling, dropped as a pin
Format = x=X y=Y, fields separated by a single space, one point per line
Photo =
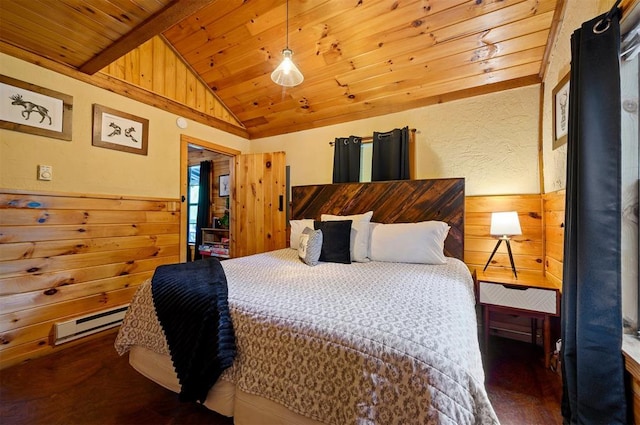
x=360 y=58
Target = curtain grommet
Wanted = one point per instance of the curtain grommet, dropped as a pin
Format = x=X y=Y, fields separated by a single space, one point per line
x=596 y=29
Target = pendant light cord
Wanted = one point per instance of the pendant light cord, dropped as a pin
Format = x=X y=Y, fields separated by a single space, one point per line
x=287 y=24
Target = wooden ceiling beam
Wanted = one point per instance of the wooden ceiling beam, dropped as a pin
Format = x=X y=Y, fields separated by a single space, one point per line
x=153 y=26
x=386 y=107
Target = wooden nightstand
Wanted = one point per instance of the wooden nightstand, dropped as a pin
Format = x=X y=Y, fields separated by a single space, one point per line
x=531 y=295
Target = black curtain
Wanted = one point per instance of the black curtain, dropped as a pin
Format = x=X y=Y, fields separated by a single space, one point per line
x=390 y=155
x=346 y=159
x=204 y=202
x=189 y=254
x=593 y=369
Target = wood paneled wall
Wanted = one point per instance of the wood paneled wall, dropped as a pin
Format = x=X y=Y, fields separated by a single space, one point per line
x=554 y=206
x=155 y=67
x=65 y=255
x=539 y=248
x=528 y=248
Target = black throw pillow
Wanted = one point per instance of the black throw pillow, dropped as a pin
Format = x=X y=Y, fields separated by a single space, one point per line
x=336 y=237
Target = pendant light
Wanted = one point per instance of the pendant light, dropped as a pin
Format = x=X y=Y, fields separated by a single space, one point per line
x=287 y=74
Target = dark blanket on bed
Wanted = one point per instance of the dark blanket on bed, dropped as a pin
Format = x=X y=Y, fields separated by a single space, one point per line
x=191 y=303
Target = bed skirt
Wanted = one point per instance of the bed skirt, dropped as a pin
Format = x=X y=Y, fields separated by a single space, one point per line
x=223 y=398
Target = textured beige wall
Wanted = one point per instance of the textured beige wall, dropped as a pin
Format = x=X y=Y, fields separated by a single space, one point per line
x=555 y=161
x=491 y=140
x=79 y=167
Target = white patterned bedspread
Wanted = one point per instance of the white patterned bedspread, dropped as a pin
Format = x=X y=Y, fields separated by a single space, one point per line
x=361 y=343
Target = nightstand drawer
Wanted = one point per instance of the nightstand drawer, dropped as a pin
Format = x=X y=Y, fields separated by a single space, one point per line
x=524 y=298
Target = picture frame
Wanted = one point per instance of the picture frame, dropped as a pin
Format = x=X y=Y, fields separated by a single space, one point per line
x=32 y=109
x=119 y=131
x=223 y=185
x=560 y=96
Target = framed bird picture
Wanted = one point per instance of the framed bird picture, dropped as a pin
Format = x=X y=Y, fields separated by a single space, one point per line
x=119 y=131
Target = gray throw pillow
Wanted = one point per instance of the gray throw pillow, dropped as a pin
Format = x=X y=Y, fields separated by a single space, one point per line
x=310 y=246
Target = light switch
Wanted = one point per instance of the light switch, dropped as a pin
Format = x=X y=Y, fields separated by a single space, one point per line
x=45 y=172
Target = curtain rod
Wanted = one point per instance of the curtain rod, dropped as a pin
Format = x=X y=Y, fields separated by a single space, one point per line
x=369 y=139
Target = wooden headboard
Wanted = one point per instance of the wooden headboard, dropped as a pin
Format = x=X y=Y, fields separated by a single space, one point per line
x=398 y=201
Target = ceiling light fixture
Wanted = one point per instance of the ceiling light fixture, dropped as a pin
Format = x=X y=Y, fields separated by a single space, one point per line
x=287 y=74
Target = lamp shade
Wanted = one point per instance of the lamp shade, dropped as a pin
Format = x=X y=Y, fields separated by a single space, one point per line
x=287 y=74
x=505 y=224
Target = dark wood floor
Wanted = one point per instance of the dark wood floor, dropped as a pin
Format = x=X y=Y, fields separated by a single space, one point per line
x=90 y=384
x=521 y=390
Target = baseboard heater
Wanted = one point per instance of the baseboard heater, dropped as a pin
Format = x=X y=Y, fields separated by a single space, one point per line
x=88 y=324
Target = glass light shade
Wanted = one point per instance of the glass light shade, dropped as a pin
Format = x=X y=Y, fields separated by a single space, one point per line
x=505 y=224
x=287 y=74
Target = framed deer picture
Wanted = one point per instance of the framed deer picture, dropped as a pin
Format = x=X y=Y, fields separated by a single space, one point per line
x=560 y=111
x=120 y=131
x=36 y=110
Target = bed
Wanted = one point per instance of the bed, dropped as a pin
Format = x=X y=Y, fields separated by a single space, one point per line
x=370 y=342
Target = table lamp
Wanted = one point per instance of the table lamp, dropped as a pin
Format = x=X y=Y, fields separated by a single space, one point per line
x=504 y=225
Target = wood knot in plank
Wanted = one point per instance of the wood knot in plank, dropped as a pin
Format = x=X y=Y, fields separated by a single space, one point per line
x=304 y=103
x=51 y=291
x=325 y=31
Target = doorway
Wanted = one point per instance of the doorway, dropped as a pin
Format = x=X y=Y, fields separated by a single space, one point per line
x=192 y=153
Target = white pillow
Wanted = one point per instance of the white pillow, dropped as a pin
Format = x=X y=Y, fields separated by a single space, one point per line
x=359 y=244
x=297 y=226
x=421 y=242
x=310 y=246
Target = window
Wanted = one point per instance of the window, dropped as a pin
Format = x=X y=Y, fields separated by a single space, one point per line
x=366 y=157
x=194 y=191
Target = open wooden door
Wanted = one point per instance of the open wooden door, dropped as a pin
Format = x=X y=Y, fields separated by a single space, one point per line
x=259 y=197
x=185 y=142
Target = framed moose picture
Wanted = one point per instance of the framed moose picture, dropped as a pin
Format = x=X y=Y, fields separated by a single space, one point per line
x=36 y=110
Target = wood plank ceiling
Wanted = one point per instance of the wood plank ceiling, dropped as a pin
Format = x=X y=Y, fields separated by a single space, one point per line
x=360 y=58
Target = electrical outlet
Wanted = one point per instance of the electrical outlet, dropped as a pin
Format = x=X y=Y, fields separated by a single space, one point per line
x=45 y=172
